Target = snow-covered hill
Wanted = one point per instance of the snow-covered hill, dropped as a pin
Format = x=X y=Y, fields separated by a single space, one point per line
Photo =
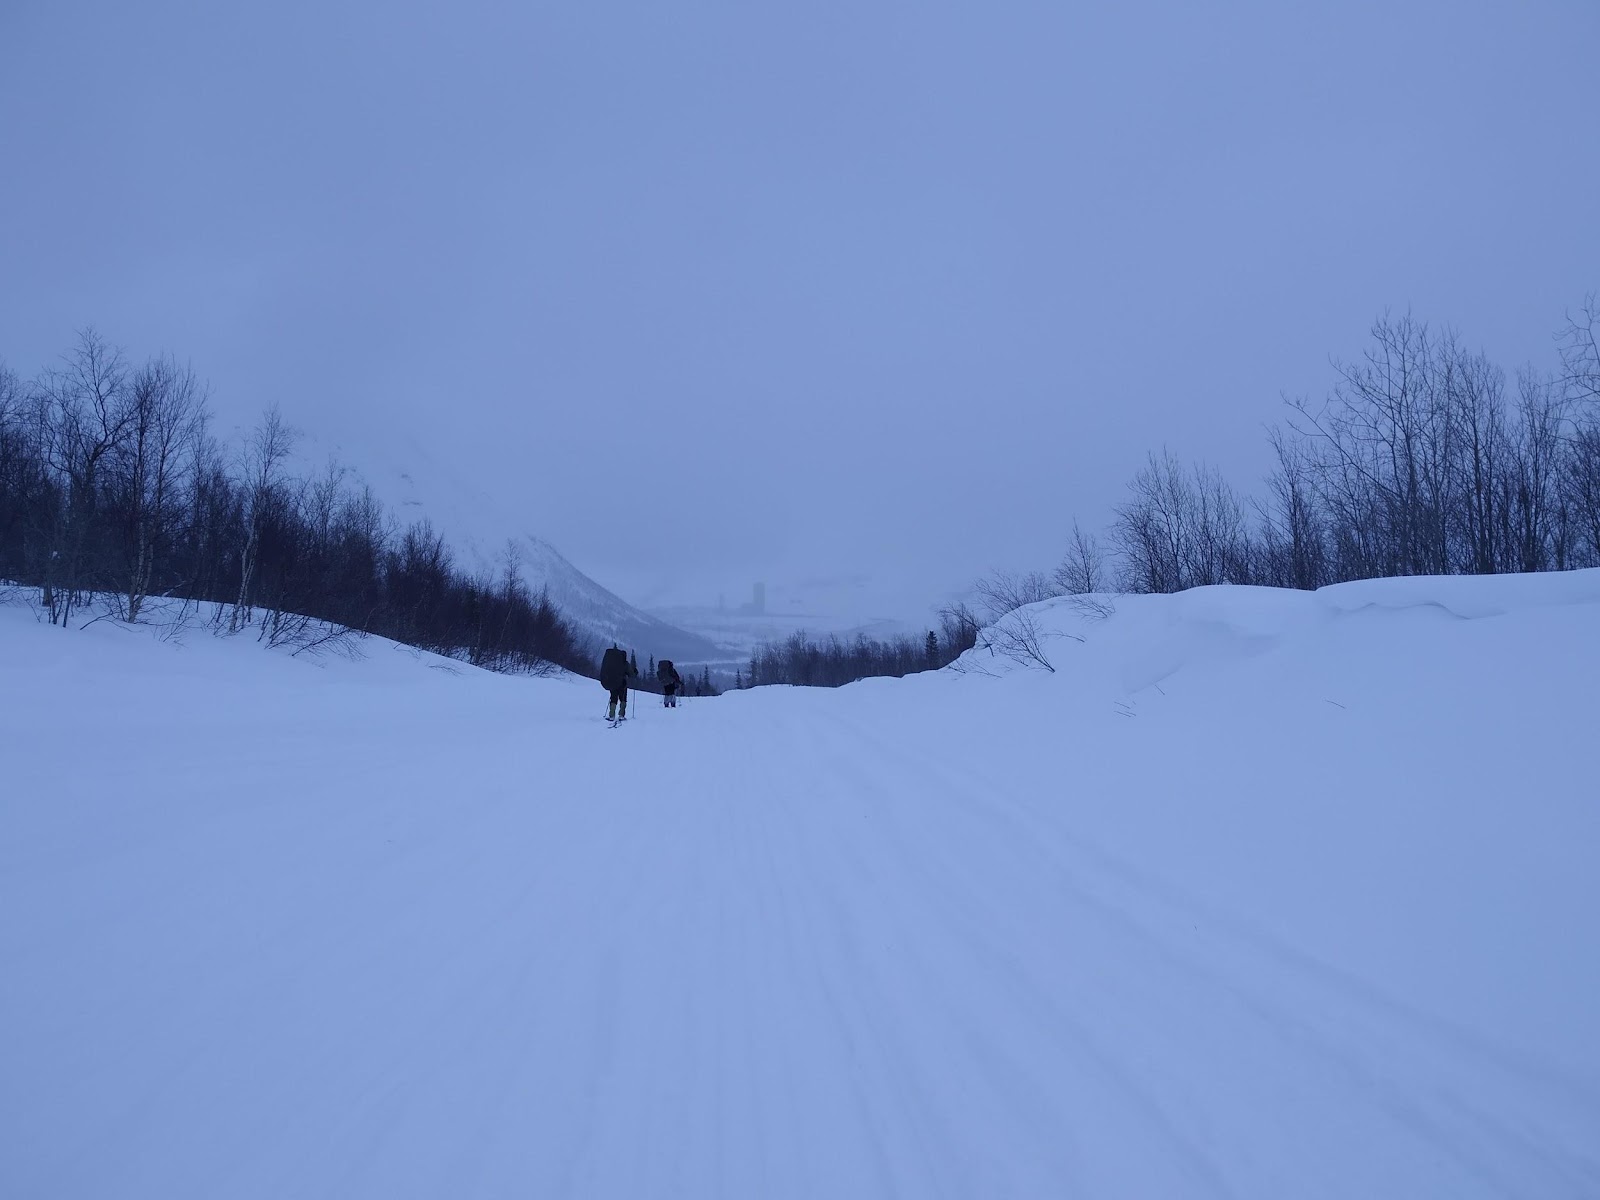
x=405 y=475
x=738 y=635
x=605 y=617
x=1258 y=894
x=843 y=605
x=676 y=618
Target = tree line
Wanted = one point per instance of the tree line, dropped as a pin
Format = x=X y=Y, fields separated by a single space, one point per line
x=694 y=684
x=114 y=494
x=803 y=661
x=1426 y=458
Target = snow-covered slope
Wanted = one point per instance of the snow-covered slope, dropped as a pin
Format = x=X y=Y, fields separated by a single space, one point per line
x=605 y=617
x=673 y=618
x=739 y=635
x=842 y=606
x=1259 y=894
x=418 y=486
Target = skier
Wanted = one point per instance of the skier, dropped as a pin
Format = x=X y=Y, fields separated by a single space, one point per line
x=671 y=683
x=615 y=671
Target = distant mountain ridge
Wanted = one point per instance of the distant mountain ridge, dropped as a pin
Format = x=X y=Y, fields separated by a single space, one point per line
x=410 y=479
x=605 y=617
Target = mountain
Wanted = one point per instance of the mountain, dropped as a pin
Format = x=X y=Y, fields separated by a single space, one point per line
x=704 y=619
x=605 y=617
x=740 y=614
x=417 y=486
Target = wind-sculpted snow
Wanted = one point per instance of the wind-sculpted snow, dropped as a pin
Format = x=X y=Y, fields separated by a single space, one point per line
x=1259 y=894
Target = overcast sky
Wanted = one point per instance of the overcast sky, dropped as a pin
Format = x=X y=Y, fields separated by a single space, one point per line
x=711 y=290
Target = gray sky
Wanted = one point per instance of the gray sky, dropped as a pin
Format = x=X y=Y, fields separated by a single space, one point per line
x=894 y=287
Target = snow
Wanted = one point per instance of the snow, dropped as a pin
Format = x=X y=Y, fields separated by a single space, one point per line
x=1260 y=894
x=671 y=614
x=740 y=636
x=720 y=607
x=413 y=480
x=605 y=618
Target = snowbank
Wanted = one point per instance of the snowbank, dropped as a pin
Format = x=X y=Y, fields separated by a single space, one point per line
x=1258 y=894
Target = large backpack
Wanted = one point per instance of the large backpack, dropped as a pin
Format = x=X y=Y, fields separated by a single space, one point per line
x=666 y=672
x=614 y=669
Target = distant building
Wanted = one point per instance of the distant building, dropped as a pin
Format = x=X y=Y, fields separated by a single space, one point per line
x=758 y=602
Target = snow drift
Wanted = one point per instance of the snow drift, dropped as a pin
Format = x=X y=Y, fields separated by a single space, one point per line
x=1259 y=894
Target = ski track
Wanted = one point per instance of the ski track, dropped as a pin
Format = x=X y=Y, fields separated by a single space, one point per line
x=1348 y=1044
x=815 y=961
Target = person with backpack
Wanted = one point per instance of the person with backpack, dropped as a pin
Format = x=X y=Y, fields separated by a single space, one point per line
x=615 y=671
x=671 y=683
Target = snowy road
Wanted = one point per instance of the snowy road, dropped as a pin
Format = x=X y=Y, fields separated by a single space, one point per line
x=432 y=939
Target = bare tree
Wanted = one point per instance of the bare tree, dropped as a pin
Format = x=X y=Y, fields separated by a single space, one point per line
x=166 y=415
x=10 y=396
x=1475 y=391
x=1382 y=454
x=263 y=464
x=1003 y=592
x=958 y=631
x=1219 y=548
x=110 y=487
x=83 y=415
x=1083 y=569
x=1293 y=531
x=1581 y=483
x=1580 y=352
x=1151 y=528
x=320 y=503
x=1580 y=378
x=1533 y=493
x=20 y=481
x=1019 y=637
x=1093 y=606
x=1181 y=529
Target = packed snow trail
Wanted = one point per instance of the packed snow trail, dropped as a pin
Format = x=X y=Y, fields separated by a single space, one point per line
x=386 y=931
